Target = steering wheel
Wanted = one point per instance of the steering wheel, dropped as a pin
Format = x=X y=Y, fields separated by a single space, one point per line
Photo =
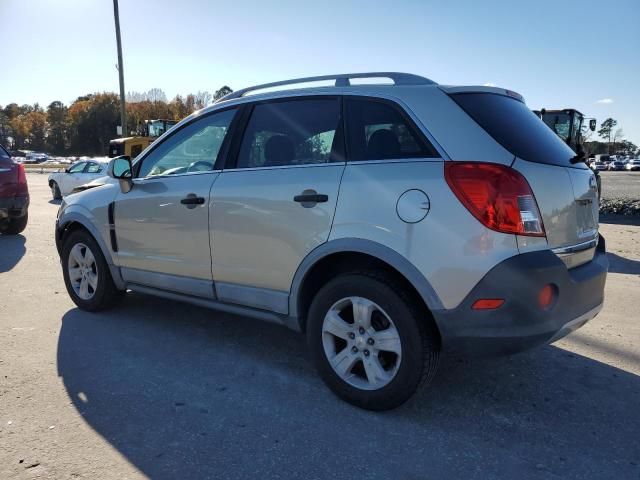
x=200 y=166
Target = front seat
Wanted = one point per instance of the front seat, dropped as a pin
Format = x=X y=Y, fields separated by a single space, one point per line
x=382 y=144
x=278 y=151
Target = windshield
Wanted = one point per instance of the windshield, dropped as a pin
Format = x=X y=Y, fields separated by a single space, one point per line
x=560 y=123
x=517 y=128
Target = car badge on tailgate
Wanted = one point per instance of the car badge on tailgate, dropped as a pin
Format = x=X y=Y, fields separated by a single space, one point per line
x=593 y=183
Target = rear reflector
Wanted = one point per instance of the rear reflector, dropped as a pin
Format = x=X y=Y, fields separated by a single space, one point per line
x=487 y=304
x=547 y=296
x=497 y=195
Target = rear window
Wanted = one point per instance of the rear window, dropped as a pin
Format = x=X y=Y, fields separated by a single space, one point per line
x=516 y=128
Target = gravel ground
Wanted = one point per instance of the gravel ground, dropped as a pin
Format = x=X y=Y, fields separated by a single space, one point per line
x=164 y=390
x=620 y=185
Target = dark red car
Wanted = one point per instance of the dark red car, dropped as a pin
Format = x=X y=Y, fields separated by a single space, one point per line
x=14 y=195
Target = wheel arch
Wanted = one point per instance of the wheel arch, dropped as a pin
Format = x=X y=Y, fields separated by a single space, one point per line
x=73 y=221
x=349 y=254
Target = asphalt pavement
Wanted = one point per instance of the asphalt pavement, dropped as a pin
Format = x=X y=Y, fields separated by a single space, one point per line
x=160 y=389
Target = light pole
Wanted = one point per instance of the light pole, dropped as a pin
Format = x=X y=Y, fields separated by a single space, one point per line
x=123 y=113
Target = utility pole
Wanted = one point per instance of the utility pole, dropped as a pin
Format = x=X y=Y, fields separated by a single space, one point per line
x=123 y=113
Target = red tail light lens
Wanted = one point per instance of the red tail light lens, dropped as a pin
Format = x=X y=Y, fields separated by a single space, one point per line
x=497 y=195
x=22 y=189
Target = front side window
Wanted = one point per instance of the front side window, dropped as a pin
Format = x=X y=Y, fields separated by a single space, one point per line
x=379 y=131
x=78 y=167
x=295 y=132
x=94 y=168
x=192 y=149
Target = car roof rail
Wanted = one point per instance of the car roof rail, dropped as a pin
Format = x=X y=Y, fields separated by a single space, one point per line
x=341 y=80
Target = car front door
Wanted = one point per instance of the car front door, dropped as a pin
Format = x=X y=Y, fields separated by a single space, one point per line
x=162 y=223
x=92 y=171
x=72 y=178
x=275 y=201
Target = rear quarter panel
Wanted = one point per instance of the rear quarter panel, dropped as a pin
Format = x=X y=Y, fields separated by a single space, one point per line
x=449 y=246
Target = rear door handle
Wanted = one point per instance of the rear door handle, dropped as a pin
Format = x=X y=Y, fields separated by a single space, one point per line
x=192 y=200
x=310 y=197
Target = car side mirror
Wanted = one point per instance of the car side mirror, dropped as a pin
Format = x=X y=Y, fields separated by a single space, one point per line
x=66 y=170
x=592 y=124
x=120 y=169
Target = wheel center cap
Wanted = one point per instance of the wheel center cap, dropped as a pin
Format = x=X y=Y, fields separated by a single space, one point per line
x=360 y=342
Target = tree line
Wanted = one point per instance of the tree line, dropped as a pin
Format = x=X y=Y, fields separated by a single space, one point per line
x=89 y=122
x=613 y=140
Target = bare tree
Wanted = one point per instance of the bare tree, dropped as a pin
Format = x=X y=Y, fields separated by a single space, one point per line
x=156 y=95
x=202 y=99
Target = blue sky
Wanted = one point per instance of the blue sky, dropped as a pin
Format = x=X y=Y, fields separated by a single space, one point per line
x=556 y=53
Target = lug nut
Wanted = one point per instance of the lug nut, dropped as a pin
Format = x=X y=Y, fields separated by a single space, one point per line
x=352 y=335
x=361 y=330
x=366 y=353
x=354 y=349
x=370 y=341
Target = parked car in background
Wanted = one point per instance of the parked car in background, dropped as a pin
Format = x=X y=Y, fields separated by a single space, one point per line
x=353 y=213
x=62 y=183
x=632 y=165
x=36 y=157
x=599 y=166
x=14 y=195
x=616 y=165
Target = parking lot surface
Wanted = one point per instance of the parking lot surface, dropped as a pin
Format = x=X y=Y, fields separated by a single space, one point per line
x=621 y=185
x=166 y=390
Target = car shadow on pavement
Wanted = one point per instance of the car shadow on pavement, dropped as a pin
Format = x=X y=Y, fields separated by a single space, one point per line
x=12 y=249
x=184 y=392
x=618 y=264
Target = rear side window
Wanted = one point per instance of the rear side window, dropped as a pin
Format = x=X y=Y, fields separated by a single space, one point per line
x=294 y=132
x=516 y=128
x=378 y=130
x=94 y=168
x=4 y=156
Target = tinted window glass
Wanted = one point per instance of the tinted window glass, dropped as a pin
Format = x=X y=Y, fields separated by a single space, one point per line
x=192 y=149
x=516 y=128
x=78 y=167
x=295 y=132
x=94 y=168
x=4 y=156
x=379 y=131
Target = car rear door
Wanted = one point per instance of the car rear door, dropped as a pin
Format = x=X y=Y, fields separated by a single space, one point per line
x=275 y=201
x=566 y=192
x=162 y=224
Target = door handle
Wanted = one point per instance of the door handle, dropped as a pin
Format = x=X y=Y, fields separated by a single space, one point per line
x=310 y=197
x=192 y=200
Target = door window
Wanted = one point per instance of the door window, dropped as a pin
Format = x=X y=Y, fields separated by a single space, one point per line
x=94 y=168
x=78 y=167
x=379 y=131
x=293 y=132
x=191 y=149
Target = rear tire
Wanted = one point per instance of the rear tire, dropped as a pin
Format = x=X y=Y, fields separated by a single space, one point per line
x=55 y=191
x=86 y=273
x=398 y=337
x=15 y=226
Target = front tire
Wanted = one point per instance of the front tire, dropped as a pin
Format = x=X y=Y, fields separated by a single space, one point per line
x=86 y=273
x=370 y=342
x=55 y=191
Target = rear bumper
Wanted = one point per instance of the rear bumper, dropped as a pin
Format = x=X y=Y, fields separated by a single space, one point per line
x=520 y=324
x=13 y=207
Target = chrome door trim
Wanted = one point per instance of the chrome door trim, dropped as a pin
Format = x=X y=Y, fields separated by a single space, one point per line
x=162 y=177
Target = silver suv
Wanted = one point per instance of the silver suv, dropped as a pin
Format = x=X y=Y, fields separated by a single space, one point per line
x=386 y=221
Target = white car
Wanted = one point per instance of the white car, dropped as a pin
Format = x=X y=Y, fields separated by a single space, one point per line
x=633 y=165
x=62 y=183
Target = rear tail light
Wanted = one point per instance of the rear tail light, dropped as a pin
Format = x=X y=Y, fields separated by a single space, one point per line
x=22 y=189
x=497 y=195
